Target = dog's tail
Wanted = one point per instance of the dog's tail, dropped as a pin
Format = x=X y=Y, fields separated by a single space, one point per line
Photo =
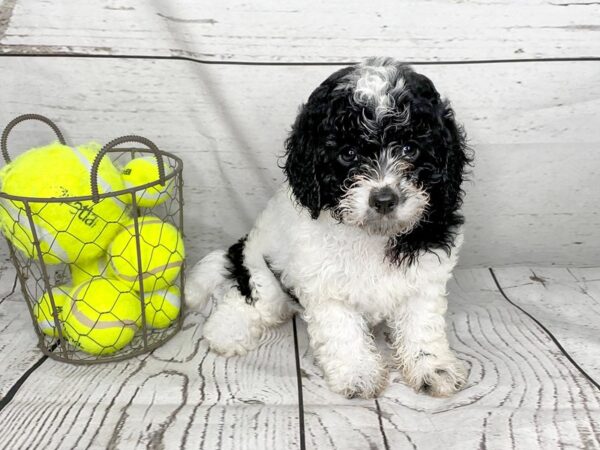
x=204 y=278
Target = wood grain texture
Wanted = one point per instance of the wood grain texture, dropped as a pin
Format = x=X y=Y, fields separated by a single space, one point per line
x=522 y=392
x=330 y=420
x=18 y=342
x=338 y=30
x=531 y=198
x=566 y=301
x=179 y=396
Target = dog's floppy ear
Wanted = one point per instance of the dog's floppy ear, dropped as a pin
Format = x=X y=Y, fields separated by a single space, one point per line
x=441 y=170
x=457 y=156
x=451 y=153
x=301 y=163
x=304 y=147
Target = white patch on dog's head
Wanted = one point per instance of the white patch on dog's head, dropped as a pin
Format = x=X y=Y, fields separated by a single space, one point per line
x=378 y=88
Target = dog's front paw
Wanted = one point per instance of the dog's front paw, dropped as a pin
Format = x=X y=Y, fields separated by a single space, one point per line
x=438 y=376
x=365 y=380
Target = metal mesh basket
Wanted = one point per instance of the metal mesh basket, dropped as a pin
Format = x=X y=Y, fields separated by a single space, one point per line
x=91 y=309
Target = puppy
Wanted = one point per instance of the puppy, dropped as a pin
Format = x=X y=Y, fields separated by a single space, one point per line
x=366 y=230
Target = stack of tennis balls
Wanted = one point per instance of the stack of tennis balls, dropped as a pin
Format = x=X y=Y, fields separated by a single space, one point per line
x=104 y=310
x=100 y=313
x=161 y=245
x=161 y=256
x=67 y=231
x=117 y=275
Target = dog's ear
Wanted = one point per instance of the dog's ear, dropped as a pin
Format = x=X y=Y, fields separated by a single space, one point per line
x=301 y=163
x=457 y=157
x=450 y=155
x=305 y=150
x=441 y=171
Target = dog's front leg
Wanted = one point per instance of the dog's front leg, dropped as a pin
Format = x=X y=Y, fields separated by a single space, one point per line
x=345 y=350
x=421 y=347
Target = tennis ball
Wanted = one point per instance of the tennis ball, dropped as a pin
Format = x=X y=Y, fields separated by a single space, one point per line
x=162 y=307
x=161 y=249
x=67 y=231
x=144 y=170
x=102 y=316
x=83 y=271
x=43 y=312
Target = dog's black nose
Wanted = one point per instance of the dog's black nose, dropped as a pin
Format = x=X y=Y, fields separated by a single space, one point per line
x=383 y=200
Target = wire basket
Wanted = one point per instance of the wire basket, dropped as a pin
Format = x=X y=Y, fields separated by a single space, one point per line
x=116 y=289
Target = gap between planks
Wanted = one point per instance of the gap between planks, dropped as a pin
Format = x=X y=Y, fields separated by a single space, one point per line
x=450 y=62
x=546 y=330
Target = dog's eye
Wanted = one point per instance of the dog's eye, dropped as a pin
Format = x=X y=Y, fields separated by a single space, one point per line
x=409 y=152
x=348 y=156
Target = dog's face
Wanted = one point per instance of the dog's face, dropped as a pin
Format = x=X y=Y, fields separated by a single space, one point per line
x=377 y=147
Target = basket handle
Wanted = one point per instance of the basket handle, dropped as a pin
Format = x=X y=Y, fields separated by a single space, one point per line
x=22 y=118
x=152 y=148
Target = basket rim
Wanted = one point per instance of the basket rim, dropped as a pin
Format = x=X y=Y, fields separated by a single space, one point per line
x=177 y=170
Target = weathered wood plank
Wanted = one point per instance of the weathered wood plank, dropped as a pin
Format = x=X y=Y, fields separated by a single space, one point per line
x=337 y=30
x=531 y=201
x=179 y=396
x=522 y=392
x=18 y=342
x=565 y=303
x=330 y=419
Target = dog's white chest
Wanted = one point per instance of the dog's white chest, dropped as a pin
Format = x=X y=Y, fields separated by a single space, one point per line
x=351 y=266
x=323 y=260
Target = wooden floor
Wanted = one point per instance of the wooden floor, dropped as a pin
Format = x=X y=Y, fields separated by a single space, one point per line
x=531 y=337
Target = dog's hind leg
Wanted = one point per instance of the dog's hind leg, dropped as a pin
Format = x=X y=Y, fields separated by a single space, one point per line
x=255 y=302
x=206 y=279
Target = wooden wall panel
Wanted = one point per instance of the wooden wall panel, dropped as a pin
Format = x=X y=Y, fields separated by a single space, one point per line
x=531 y=198
x=306 y=30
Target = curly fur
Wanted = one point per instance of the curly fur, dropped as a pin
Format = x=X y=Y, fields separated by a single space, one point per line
x=394 y=104
x=367 y=229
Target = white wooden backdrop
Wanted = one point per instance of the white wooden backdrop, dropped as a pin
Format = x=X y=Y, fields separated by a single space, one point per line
x=219 y=83
x=533 y=198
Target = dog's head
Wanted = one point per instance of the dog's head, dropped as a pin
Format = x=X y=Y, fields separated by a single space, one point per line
x=377 y=147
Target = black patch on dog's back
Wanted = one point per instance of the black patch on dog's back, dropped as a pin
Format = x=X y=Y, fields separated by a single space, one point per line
x=238 y=270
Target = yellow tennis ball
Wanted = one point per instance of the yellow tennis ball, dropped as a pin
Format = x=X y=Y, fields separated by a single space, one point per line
x=161 y=249
x=144 y=170
x=43 y=311
x=67 y=231
x=102 y=316
x=162 y=307
x=83 y=271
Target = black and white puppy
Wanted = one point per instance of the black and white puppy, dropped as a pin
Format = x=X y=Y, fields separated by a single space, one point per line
x=366 y=230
